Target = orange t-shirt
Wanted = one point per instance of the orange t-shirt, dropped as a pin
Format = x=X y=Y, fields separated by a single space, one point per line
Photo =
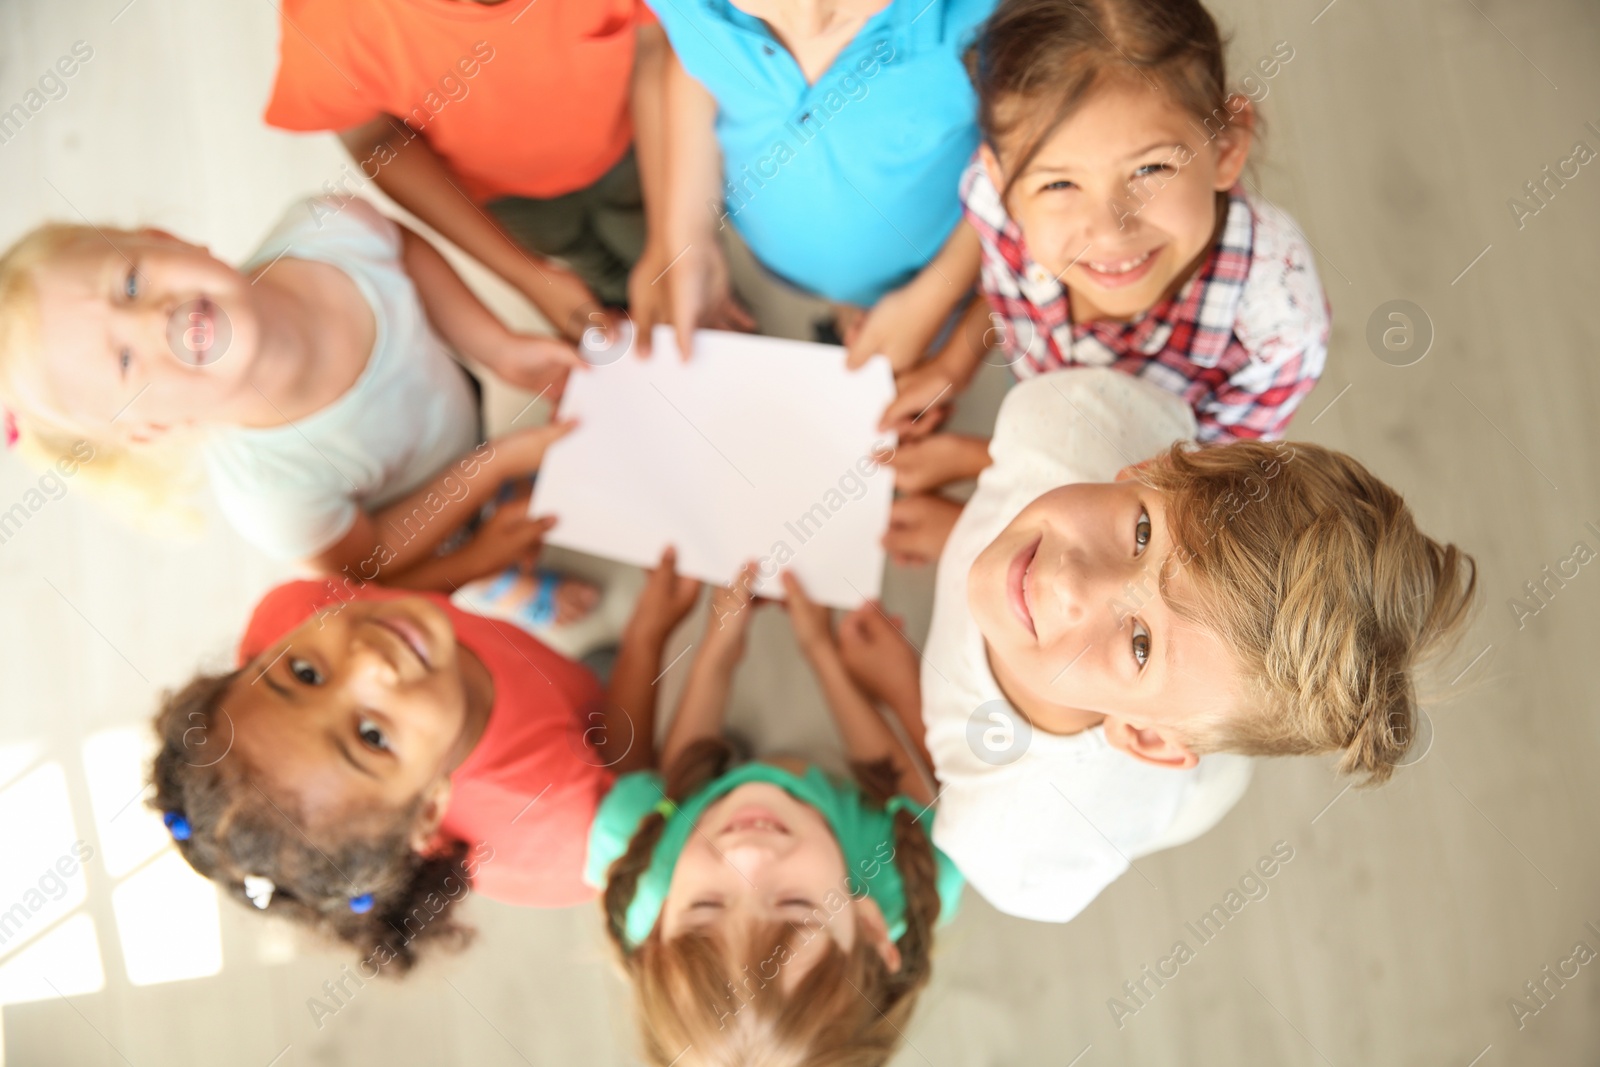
x=530 y=788
x=520 y=98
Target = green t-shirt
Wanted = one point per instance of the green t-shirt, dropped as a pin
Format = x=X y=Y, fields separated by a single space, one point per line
x=865 y=833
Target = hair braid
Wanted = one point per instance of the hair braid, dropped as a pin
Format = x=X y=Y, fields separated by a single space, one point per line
x=696 y=765
x=919 y=873
x=622 y=879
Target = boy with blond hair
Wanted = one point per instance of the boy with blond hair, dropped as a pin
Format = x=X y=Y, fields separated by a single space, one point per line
x=1120 y=621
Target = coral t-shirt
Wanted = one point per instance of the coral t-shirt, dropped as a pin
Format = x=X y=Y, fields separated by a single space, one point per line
x=531 y=787
x=522 y=97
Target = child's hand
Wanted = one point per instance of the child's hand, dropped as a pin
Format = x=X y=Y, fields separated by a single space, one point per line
x=899 y=326
x=937 y=460
x=878 y=657
x=732 y=606
x=531 y=362
x=666 y=599
x=520 y=452
x=700 y=295
x=918 y=528
x=600 y=331
x=510 y=537
x=922 y=401
x=649 y=297
x=812 y=622
x=563 y=298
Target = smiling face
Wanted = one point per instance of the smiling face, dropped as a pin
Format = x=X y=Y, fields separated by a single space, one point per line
x=147 y=316
x=1073 y=602
x=1120 y=200
x=759 y=856
x=365 y=708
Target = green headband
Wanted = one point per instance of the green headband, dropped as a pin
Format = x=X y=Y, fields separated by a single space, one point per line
x=865 y=833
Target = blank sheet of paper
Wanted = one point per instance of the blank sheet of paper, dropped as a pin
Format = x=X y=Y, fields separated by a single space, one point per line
x=756 y=449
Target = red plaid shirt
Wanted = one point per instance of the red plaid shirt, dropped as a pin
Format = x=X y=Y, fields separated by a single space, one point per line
x=1243 y=341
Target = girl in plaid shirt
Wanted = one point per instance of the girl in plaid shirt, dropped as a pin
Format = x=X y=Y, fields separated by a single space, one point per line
x=1114 y=228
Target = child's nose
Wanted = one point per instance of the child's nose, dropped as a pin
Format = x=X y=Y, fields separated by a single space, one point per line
x=1074 y=588
x=1112 y=218
x=372 y=665
x=146 y=325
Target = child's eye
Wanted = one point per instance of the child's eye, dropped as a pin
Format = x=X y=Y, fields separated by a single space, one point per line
x=1141 y=532
x=1154 y=168
x=705 y=905
x=1141 y=644
x=372 y=735
x=1051 y=187
x=130 y=283
x=305 y=671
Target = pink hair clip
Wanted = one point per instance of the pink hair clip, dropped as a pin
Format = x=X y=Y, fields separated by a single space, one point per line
x=11 y=429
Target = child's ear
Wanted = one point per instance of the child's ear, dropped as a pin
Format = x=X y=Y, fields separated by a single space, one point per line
x=435 y=800
x=1233 y=144
x=991 y=165
x=870 y=925
x=1153 y=745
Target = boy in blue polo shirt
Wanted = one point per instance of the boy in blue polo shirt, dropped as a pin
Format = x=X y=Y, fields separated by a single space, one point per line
x=831 y=137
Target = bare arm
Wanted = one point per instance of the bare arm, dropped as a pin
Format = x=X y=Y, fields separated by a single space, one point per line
x=453 y=309
x=926 y=391
x=973 y=336
x=417 y=179
x=690 y=287
x=904 y=323
x=867 y=738
x=394 y=545
x=885 y=666
x=949 y=276
x=473 y=331
x=630 y=744
x=648 y=97
x=693 y=159
x=705 y=694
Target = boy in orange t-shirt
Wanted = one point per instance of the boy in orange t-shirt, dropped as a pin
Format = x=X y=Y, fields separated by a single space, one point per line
x=508 y=126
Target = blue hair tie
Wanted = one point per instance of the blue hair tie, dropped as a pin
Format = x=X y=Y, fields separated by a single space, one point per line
x=177 y=825
x=362 y=904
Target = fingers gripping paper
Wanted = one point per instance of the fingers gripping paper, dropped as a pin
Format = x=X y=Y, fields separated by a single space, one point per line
x=756 y=449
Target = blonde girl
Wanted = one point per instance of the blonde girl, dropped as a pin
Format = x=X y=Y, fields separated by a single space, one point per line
x=316 y=388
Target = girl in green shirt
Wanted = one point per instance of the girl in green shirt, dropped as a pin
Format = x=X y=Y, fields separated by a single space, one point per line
x=769 y=912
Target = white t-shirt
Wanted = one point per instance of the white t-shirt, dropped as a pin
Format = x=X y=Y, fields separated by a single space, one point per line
x=294 y=490
x=1041 y=823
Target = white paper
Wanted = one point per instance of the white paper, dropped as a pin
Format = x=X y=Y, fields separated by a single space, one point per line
x=756 y=449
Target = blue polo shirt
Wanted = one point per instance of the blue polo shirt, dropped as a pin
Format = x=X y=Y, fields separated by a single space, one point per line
x=845 y=188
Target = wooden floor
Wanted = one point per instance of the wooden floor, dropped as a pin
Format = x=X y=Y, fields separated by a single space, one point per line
x=1408 y=917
